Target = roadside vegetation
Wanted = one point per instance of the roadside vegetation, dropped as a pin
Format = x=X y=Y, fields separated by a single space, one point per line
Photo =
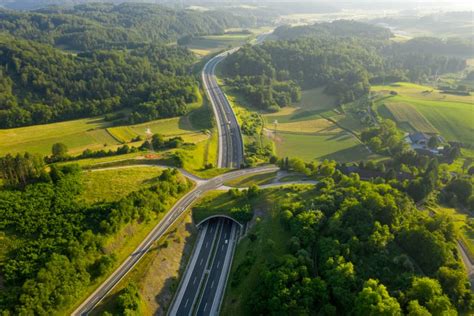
x=157 y=275
x=56 y=257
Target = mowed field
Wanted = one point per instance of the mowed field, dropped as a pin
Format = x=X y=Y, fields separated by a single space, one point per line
x=450 y=115
x=77 y=135
x=314 y=129
x=205 y=45
x=96 y=133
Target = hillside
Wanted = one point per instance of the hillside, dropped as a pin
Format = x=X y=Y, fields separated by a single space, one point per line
x=93 y=26
x=41 y=84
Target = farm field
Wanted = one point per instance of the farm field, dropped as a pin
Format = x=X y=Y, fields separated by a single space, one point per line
x=77 y=135
x=311 y=129
x=205 y=45
x=96 y=133
x=341 y=147
x=406 y=113
x=451 y=115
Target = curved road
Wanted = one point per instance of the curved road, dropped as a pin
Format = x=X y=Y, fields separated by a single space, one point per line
x=231 y=148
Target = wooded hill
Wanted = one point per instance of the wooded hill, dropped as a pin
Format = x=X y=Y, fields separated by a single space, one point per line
x=343 y=56
x=104 y=26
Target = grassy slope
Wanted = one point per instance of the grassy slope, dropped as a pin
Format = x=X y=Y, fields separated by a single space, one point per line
x=258 y=179
x=157 y=274
x=110 y=185
x=451 y=115
x=460 y=220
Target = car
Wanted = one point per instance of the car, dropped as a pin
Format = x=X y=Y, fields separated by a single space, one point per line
x=226 y=241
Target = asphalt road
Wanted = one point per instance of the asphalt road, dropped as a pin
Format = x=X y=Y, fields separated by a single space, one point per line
x=158 y=231
x=211 y=294
x=195 y=279
x=231 y=152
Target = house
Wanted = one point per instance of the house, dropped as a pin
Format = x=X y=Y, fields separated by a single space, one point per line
x=418 y=139
x=419 y=142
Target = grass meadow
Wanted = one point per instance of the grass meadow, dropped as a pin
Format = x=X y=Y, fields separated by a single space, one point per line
x=451 y=115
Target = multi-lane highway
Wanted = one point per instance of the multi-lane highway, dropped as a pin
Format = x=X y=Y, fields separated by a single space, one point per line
x=158 y=231
x=203 y=284
x=231 y=151
x=230 y=156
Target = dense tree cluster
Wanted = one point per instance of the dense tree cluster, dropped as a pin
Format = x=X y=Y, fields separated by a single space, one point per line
x=338 y=28
x=59 y=240
x=361 y=248
x=105 y=26
x=22 y=169
x=343 y=56
x=40 y=84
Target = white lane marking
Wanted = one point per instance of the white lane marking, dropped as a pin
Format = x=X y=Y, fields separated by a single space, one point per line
x=195 y=278
x=207 y=243
x=212 y=284
x=200 y=263
x=205 y=307
x=186 y=304
x=218 y=264
x=222 y=247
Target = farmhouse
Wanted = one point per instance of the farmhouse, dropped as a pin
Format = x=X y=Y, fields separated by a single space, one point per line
x=420 y=141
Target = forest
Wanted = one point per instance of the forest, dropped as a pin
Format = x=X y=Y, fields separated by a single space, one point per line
x=41 y=84
x=344 y=65
x=358 y=248
x=58 y=249
x=126 y=25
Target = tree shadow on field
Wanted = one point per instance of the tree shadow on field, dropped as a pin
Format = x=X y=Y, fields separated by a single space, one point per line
x=165 y=297
x=354 y=153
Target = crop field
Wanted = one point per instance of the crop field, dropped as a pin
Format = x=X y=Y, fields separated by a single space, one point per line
x=406 y=113
x=451 y=115
x=341 y=146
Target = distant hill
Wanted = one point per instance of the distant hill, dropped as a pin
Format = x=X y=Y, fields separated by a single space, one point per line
x=100 y=26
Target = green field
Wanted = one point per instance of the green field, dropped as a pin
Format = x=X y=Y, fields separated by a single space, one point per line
x=341 y=147
x=451 y=115
x=95 y=133
x=407 y=114
x=313 y=103
x=204 y=45
x=77 y=135
x=257 y=179
x=111 y=185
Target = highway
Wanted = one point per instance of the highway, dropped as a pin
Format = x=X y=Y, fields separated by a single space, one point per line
x=231 y=150
x=158 y=231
